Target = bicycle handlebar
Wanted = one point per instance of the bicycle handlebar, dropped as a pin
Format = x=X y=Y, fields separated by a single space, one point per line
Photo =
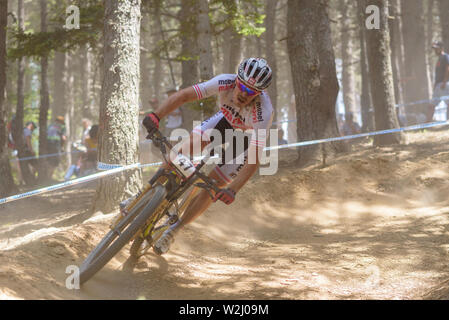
x=160 y=141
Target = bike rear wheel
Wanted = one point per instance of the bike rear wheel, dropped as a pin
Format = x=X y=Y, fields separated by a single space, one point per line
x=119 y=236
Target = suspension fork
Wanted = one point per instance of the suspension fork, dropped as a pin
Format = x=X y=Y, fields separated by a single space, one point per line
x=149 y=229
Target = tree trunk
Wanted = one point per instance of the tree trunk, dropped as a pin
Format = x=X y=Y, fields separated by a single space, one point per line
x=60 y=84
x=189 y=65
x=18 y=127
x=145 y=73
x=118 y=139
x=397 y=27
x=292 y=131
x=393 y=24
x=7 y=183
x=346 y=57
x=44 y=102
x=205 y=41
x=429 y=38
x=166 y=50
x=382 y=90
x=97 y=81
x=85 y=79
x=157 y=72
x=206 y=63
x=314 y=76
x=399 y=52
x=443 y=6
x=69 y=113
x=270 y=51
x=417 y=82
x=233 y=41
x=365 y=98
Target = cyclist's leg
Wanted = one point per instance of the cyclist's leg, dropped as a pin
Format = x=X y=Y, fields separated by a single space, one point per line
x=224 y=174
x=200 y=203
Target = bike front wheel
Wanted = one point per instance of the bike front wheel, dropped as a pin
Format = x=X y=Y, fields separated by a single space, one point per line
x=119 y=236
x=140 y=245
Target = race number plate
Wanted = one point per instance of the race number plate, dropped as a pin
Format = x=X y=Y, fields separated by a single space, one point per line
x=184 y=165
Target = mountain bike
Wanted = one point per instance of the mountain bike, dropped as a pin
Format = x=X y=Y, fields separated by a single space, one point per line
x=141 y=220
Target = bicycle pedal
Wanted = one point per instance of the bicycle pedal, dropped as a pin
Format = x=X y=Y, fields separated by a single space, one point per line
x=172 y=219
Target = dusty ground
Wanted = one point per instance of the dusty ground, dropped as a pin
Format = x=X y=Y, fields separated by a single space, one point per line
x=373 y=224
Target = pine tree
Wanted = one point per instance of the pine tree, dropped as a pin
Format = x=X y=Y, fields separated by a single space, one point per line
x=314 y=75
x=381 y=77
x=7 y=185
x=118 y=136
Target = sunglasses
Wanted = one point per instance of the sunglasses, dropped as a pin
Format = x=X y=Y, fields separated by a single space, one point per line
x=249 y=91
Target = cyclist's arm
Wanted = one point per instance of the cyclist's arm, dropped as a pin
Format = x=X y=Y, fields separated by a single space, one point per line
x=196 y=92
x=175 y=101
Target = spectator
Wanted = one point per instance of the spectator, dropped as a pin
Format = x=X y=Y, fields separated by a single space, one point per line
x=90 y=161
x=86 y=127
x=56 y=135
x=28 y=166
x=281 y=139
x=10 y=127
x=441 y=85
x=86 y=163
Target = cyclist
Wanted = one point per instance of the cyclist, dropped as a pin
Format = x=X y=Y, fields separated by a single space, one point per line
x=243 y=105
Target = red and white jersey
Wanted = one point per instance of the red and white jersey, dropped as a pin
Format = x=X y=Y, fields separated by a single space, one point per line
x=258 y=115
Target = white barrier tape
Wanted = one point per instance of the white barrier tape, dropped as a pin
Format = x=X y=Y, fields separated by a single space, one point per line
x=277 y=122
x=284 y=121
x=361 y=135
x=105 y=166
x=67 y=183
x=46 y=155
x=150 y=164
x=137 y=165
x=422 y=101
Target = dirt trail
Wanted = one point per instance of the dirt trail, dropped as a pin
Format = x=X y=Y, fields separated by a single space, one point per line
x=373 y=224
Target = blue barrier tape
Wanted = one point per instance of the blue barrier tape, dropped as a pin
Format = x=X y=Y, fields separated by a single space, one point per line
x=138 y=165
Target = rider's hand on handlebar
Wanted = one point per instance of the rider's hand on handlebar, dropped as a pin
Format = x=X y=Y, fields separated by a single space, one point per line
x=225 y=195
x=151 y=121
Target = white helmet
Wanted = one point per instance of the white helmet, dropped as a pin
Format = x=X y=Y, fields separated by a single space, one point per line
x=255 y=72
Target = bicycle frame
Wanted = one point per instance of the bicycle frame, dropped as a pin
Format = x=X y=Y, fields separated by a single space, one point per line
x=140 y=221
x=176 y=184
